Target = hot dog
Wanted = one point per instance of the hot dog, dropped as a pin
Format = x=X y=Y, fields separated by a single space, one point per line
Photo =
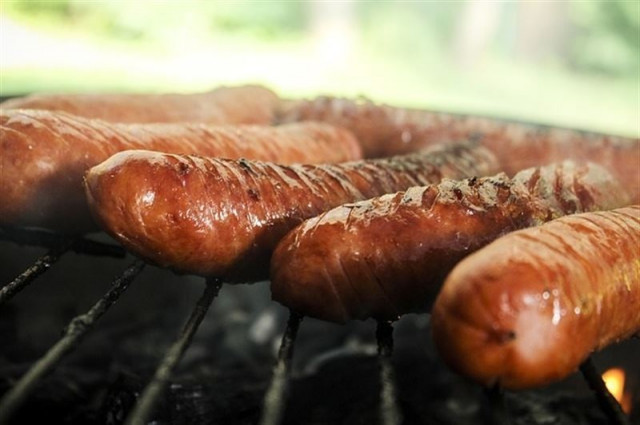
x=389 y=256
x=44 y=156
x=249 y=104
x=381 y=129
x=527 y=309
x=223 y=218
x=385 y=130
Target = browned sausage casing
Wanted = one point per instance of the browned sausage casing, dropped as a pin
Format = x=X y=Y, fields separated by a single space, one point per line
x=527 y=309
x=44 y=156
x=384 y=130
x=223 y=218
x=249 y=104
x=389 y=256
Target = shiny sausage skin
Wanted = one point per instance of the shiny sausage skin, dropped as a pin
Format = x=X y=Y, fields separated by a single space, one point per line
x=385 y=130
x=250 y=104
x=527 y=309
x=44 y=156
x=388 y=256
x=223 y=218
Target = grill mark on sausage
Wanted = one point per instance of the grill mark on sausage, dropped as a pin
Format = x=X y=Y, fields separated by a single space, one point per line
x=46 y=154
x=386 y=130
x=586 y=261
x=437 y=225
x=616 y=218
x=299 y=192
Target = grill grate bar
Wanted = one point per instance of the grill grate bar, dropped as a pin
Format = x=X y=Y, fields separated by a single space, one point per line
x=47 y=239
x=389 y=410
x=73 y=334
x=497 y=413
x=40 y=266
x=274 y=399
x=147 y=401
x=609 y=405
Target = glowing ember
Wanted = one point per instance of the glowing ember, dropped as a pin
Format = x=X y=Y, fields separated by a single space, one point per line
x=614 y=380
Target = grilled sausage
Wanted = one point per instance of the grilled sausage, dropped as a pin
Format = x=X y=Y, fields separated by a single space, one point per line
x=45 y=155
x=223 y=218
x=384 y=130
x=527 y=309
x=389 y=256
x=225 y=105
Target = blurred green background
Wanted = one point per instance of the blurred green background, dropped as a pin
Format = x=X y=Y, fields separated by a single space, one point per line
x=569 y=63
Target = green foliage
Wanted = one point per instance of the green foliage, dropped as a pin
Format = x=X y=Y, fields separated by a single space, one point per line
x=604 y=34
x=411 y=32
x=401 y=55
x=607 y=37
x=271 y=19
x=158 y=20
x=53 y=8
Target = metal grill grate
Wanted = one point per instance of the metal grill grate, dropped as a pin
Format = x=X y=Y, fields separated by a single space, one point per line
x=71 y=338
x=275 y=398
x=149 y=398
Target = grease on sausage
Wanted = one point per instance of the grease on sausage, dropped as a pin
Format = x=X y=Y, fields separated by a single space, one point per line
x=389 y=256
x=223 y=218
x=44 y=156
x=527 y=309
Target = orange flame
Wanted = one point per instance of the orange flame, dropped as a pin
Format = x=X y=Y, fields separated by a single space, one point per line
x=614 y=380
